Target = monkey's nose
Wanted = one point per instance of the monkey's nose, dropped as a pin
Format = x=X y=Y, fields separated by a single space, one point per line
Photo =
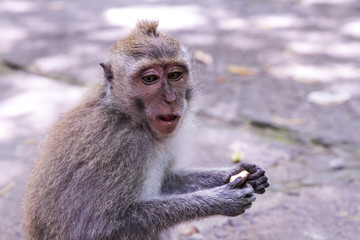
x=169 y=98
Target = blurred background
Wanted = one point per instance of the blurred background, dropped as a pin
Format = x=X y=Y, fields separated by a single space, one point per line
x=280 y=87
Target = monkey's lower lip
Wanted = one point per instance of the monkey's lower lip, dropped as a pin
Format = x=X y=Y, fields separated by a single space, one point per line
x=166 y=124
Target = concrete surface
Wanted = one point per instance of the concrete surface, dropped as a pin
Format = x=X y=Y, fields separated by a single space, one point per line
x=282 y=86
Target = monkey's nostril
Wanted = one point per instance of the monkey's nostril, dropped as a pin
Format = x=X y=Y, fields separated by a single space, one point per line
x=170 y=100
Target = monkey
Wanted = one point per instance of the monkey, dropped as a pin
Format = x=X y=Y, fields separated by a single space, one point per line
x=106 y=168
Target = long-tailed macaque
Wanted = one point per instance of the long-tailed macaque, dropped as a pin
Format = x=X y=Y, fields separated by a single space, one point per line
x=105 y=169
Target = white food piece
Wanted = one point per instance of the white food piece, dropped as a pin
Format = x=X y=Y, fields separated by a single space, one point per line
x=244 y=174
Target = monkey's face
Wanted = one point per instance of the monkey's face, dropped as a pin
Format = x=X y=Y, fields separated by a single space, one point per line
x=160 y=95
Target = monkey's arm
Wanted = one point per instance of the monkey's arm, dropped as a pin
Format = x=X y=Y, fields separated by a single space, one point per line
x=186 y=181
x=182 y=181
x=165 y=211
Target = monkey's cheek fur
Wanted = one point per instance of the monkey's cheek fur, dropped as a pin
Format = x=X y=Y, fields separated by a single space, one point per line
x=166 y=124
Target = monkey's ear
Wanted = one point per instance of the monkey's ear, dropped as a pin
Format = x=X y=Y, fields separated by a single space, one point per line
x=108 y=74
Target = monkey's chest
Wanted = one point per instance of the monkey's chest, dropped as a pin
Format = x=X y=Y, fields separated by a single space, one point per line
x=153 y=179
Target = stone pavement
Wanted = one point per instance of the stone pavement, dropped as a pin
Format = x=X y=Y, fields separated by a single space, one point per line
x=280 y=84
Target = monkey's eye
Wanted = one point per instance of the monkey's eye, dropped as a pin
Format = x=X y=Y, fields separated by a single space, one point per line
x=174 y=75
x=150 y=79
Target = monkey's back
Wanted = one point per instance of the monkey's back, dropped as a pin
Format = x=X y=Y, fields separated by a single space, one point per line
x=79 y=179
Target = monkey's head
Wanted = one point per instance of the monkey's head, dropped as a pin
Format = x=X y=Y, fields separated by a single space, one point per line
x=148 y=77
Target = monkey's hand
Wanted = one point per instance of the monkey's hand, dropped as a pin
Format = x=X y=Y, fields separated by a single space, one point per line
x=257 y=179
x=233 y=200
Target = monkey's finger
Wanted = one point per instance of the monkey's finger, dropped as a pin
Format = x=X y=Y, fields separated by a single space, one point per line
x=251 y=198
x=259 y=172
x=248 y=190
x=261 y=191
x=258 y=181
x=248 y=167
x=261 y=188
x=238 y=212
x=247 y=206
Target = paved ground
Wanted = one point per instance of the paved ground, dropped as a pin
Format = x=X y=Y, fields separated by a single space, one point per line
x=281 y=85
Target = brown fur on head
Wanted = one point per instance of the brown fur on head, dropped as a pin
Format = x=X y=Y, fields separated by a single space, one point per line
x=144 y=48
x=146 y=41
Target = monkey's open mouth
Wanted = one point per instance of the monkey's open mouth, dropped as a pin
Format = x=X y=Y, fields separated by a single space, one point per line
x=167 y=118
x=166 y=123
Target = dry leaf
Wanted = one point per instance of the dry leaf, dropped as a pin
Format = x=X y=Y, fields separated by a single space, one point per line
x=240 y=70
x=305 y=80
x=203 y=57
x=55 y=6
x=269 y=69
x=348 y=216
x=31 y=142
x=327 y=98
x=287 y=121
x=7 y=188
x=222 y=79
x=237 y=156
x=188 y=230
